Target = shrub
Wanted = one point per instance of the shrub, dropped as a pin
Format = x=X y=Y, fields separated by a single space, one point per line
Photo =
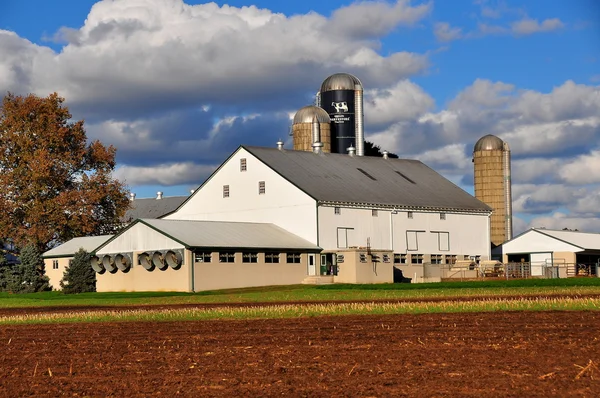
x=79 y=277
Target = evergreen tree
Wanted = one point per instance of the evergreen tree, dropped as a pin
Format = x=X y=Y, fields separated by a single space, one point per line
x=31 y=271
x=79 y=276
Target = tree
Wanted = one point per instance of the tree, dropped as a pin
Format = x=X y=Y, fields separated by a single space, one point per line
x=55 y=186
x=28 y=276
x=79 y=277
x=375 y=150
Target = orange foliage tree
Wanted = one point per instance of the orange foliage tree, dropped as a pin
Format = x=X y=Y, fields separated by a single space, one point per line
x=53 y=185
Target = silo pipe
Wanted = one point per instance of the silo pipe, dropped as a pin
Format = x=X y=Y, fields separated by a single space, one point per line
x=507 y=190
x=358 y=120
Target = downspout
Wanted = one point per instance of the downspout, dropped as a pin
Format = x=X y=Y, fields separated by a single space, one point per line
x=192 y=264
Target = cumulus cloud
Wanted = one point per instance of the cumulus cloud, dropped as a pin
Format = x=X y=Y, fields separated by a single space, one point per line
x=164 y=174
x=445 y=33
x=528 y=26
x=585 y=169
x=142 y=55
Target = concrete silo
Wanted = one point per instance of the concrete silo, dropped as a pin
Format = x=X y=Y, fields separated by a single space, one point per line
x=311 y=125
x=491 y=158
x=341 y=96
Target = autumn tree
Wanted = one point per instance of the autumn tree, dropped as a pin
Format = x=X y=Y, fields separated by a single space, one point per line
x=54 y=184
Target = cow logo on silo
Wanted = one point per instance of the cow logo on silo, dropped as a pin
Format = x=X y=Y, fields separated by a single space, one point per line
x=340 y=106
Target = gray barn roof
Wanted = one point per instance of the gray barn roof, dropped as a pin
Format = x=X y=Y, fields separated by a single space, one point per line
x=331 y=177
x=152 y=207
x=215 y=234
x=69 y=248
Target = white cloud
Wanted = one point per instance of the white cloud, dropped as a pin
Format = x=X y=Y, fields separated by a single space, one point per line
x=164 y=174
x=561 y=220
x=403 y=101
x=585 y=169
x=529 y=26
x=444 y=33
x=145 y=54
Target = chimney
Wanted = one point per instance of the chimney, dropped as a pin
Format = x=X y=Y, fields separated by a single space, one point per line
x=159 y=195
x=385 y=154
x=131 y=196
x=317 y=147
x=280 y=145
x=351 y=151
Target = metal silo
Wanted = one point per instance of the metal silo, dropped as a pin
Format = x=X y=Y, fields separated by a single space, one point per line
x=311 y=125
x=492 y=175
x=341 y=96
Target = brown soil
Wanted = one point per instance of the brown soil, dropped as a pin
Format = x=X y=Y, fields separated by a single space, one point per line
x=514 y=354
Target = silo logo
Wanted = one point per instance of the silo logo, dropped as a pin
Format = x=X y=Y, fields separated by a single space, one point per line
x=340 y=106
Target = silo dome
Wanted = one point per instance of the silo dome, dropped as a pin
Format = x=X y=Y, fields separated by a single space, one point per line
x=308 y=113
x=489 y=143
x=340 y=81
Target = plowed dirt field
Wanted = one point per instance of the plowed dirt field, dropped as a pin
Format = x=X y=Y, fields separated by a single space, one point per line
x=517 y=354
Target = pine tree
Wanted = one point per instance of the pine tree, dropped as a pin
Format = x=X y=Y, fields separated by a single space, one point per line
x=31 y=271
x=79 y=277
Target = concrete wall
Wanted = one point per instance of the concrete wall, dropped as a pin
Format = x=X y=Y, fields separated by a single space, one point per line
x=138 y=279
x=371 y=269
x=282 y=203
x=216 y=275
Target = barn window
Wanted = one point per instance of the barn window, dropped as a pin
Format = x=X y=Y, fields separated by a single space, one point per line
x=436 y=259
x=293 y=258
x=202 y=257
x=451 y=259
x=409 y=214
x=261 y=187
x=225 y=191
x=227 y=257
x=54 y=264
x=399 y=258
x=249 y=257
x=363 y=258
x=243 y=166
x=442 y=216
x=417 y=259
x=337 y=210
x=374 y=213
x=271 y=258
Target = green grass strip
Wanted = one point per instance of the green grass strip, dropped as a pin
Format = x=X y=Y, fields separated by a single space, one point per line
x=309 y=310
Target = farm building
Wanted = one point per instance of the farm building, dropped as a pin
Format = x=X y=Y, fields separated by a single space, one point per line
x=270 y=216
x=57 y=259
x=562 y=253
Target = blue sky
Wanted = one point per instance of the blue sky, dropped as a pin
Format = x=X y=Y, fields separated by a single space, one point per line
x=176 y=86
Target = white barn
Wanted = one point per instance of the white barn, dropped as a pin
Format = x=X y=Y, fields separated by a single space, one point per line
x=356 y=216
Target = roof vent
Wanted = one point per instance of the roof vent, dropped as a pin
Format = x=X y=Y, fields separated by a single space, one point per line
x=280 y=145
x=317 y=147
x=159 y=195
x=385 y=154
x=192 y=191
x=351 y=151
x=131 y=196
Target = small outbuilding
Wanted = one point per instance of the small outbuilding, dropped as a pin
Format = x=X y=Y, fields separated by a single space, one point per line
x=563 y=252
x=59 y=258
